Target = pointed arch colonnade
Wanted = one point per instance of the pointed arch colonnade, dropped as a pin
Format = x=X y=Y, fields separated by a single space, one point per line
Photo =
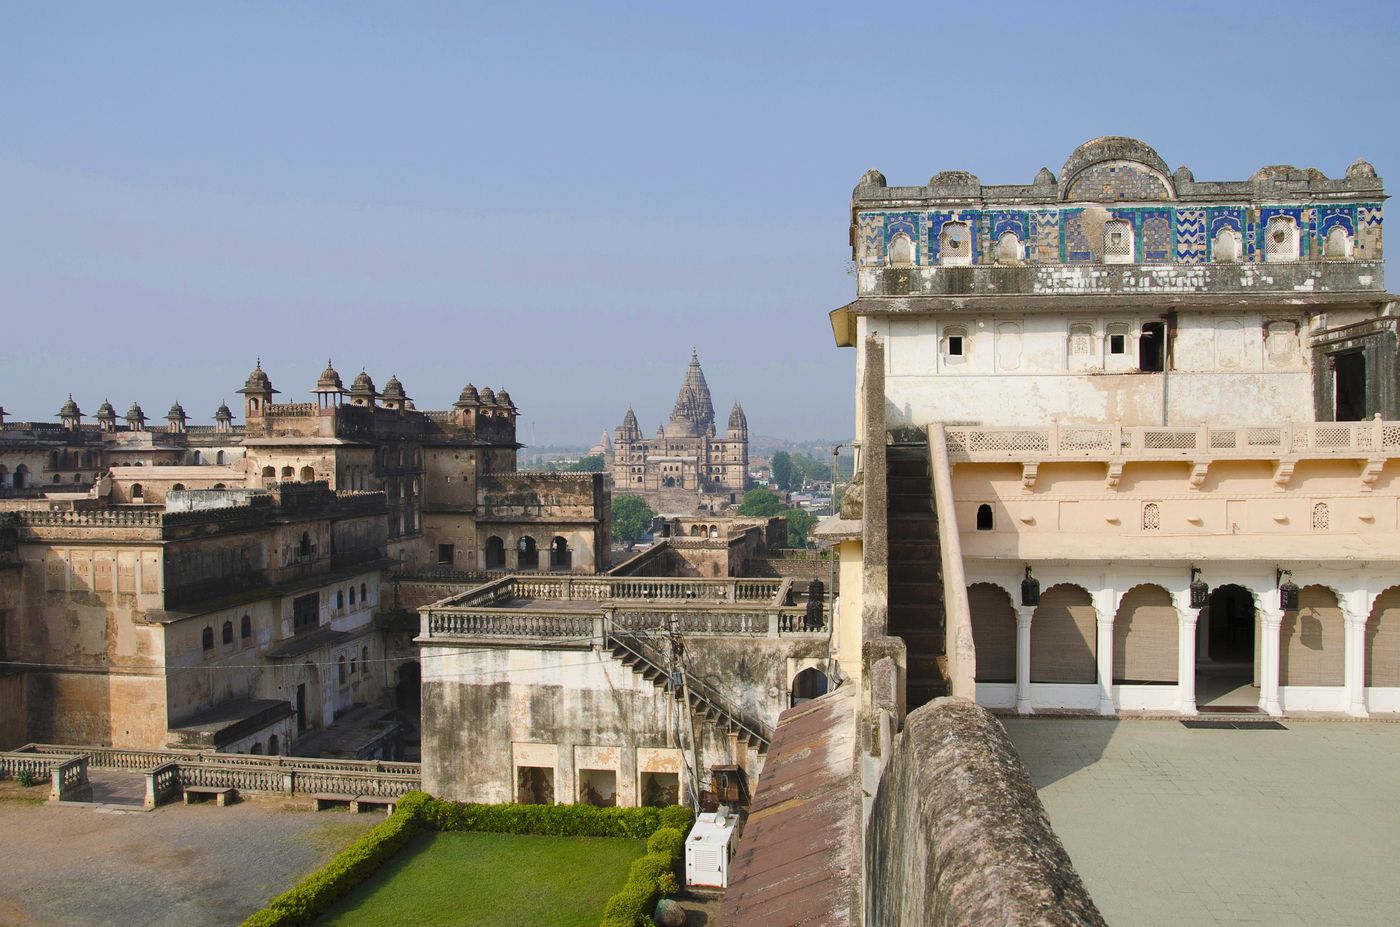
x=1130 y=641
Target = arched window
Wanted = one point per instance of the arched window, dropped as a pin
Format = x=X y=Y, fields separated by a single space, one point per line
x=220 y=486
x=1151 y=517
x=343 y=671
x=1228 y=249
x=809 y=684
x=305 y=548
x=354 y=666
x=57 y=478
x=207 y=638
x=901 y=251
x=1117 y=242
x=340 y=598
x=364 y=596
x=1337 y=246
x=1281 y=240
x=984 y=517
x=245 y=628
x=198 y=457
x=364 y=660
x=287 y=473
x=560 y=557
x=352 y=596
x=228 y=632
x=1009 y=249
x=307 y=474
x=21 y=479
x=274 y=746
x=219 y=458
x=137 y=493
x=269 y=473
x=1116 y=344
x=255 y=750
x=177 y=487
x=955 y=243
x=1321 y=517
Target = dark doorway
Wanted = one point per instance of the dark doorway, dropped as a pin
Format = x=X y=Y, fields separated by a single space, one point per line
x=301 y=708
x=809 y=684
x=408 y=693
x=1349 y=386
x=1225 y=655
x=560 y=557
x=495 y=553
x=1152 y=347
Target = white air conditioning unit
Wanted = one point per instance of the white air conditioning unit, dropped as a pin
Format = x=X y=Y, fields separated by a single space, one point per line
x=709 y=848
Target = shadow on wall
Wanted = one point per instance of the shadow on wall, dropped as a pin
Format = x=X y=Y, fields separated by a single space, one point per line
x=1053 y=749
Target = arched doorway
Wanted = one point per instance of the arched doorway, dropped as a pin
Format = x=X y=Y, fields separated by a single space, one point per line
x=560 y=557
x=993 y=632
x=1227 y=650
x=527 y=555
x=408 y=691
x=1063 y=637
x=495 y=553
x=809 y=684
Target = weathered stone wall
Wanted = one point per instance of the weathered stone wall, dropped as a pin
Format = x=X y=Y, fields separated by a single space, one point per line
x=957 y=834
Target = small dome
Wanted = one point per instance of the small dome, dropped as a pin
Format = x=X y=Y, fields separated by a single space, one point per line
x=258 y=380
x=176 y=413
x=871 y=178
x=223 y=414
x=363 y=385
x=1361 y=170
x=503 y=399
x=70 y=409
x=135 y=412
x=1183 y=175
x=955 y=183
x=393 y=390
x=1044 y=178
x=105 y=411
x=488 y=397
x=328 y=380
x=469 y=395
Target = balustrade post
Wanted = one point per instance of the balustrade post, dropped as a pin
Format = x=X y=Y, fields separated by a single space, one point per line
x=289 y=781
x=1202 y=437
x=1053 y=437
x=1285 y=438
x=1023 y=659
x=1377 y=433
x=772 y=624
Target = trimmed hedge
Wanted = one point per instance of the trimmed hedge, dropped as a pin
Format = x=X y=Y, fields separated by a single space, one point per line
x=650 y=877
x=314 y=895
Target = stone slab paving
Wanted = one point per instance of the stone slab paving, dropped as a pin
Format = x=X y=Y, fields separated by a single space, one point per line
x=98 y=865
x=1171 y=826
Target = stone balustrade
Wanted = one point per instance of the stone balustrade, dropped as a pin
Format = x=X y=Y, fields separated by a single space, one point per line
x=512 y=623
x=1375 y=438
x=143 y=760
x=162 y=784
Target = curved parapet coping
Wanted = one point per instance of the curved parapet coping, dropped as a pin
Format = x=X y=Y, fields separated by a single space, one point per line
x=957 y=834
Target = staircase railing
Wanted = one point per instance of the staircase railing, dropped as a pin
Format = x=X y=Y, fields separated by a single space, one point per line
x=730 y=713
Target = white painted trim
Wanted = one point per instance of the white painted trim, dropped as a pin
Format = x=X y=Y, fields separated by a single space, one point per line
x=1312 y=698
x=996 y=694
x=1147 y=698
x=1074 y=696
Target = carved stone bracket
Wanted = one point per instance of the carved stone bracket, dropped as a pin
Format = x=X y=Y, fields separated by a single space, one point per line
x=1115 y=474
x=1283 y=473
x=1199 y=469
x=1371 y=472
x=1029 y=469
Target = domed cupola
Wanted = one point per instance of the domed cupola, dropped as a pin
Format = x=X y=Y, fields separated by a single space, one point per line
x=394 y=396
x=106 y=417
x=468 y=397
x=176 y=418
x=223 y=418
x=329 y=389
x=70 y=414
x=257 y=392
x=135 y=418
x=362 y=392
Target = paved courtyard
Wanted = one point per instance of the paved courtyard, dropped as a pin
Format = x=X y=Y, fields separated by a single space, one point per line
x=1172 y=826
x=84 y=866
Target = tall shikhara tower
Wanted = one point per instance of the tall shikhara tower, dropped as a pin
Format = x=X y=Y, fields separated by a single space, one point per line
x=687 y=463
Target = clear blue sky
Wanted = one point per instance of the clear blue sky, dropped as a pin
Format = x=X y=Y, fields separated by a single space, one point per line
x=563 y=199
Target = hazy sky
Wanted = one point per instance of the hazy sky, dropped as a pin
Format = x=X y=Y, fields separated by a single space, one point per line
x=563 y=199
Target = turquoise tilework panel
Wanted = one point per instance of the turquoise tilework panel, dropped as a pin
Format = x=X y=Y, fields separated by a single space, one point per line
x=1191 y=236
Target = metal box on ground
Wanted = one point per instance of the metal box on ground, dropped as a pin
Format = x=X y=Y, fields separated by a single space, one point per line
x=709 y=847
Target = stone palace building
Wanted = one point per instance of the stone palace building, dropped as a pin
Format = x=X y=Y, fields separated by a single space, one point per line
x=226 y=586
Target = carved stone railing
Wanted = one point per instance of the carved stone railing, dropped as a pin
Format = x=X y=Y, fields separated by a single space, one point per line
x=512 y=623
x=162 y=784
x=292 y=408
x=40 y=766
x=143 y=760
x=1286 y=439
x=106 y=518
x=69 y=780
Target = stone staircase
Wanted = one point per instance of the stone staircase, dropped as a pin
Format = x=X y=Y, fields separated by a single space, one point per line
x=915 y=572
x=709 y=706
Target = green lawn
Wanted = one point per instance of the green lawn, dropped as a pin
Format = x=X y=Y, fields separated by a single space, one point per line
x=500 y=880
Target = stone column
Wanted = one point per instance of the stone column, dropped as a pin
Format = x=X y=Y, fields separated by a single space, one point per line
x=1186 y=659
x=1270 y=623
x=1023 y=659
x=1105 y=660
x=1355 y=624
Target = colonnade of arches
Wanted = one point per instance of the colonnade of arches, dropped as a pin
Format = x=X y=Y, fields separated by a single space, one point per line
x=527 y=554
x=1146 y=648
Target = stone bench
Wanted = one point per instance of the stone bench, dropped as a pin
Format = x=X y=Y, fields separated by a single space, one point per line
x=221 y=796
x=361 y=802
x=323 y=800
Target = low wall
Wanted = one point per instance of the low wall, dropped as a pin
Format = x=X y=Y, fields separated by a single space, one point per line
x=957 y=834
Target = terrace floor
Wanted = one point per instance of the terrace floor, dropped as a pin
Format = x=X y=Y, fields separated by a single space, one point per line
x=1175 y=826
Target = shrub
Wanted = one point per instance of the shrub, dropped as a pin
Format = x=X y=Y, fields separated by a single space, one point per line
x=678 y=816
x=26 y=778
x=313 y=896
x=546 y=820
x=667 y=841
x=649 y=878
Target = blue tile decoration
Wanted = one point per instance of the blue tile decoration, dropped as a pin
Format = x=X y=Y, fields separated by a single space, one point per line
x=1116 y=182
x=1163 y=233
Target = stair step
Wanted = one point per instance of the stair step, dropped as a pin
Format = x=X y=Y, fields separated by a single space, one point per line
x=910 y=485
x=906 y=550
x=913 y=529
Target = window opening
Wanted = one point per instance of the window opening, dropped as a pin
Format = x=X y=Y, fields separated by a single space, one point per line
x=1281 y=240
x=984 y=517
x=955 y=243
x=1152 y=344
x=1117 y=242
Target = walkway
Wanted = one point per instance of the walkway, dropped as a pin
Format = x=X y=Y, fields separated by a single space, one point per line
x=1171 y=826
x=83 y=866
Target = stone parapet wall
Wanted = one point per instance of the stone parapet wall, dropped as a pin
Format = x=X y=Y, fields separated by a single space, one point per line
x=958 y=836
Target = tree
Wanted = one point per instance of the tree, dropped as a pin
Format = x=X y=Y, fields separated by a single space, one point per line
x=761 y=502
x=799 y=523
x=593 y=463
x=631 y=518
x=783 y=472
